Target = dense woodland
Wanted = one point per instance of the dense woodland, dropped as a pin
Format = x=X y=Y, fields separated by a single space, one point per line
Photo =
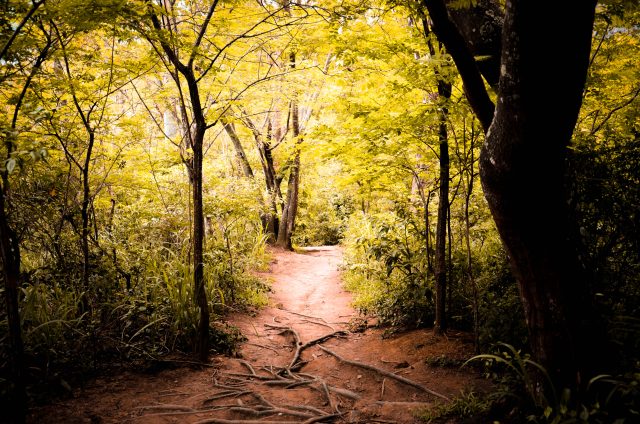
x=479 y=162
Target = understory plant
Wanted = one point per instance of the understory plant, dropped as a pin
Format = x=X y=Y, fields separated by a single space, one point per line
x=525 y=391
x=139 y=305
x=386 y=268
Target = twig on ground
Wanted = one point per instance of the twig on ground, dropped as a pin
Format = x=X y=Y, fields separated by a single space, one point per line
x=195 y=411
x=344 y=392
x=323 y=418
x=241 y=374
x=306 y=408
x=329 y=399
x=416 y=404
x=324 y=338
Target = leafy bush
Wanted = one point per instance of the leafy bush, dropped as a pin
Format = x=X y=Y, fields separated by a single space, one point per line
x=465 y=405
x=526 y=387
x=386 y=269
x=140 y=295
x=322 y=218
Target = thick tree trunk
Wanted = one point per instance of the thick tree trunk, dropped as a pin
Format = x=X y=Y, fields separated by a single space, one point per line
x=10 y=253
x=440 y=265
x=545 y=53
x=523 y=170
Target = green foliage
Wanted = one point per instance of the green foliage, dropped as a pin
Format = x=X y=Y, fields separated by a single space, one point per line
x=386 y=270
x=386 y=267
x=369 y=180
x=465 y=405
x=501 y=315
x=603 y=170
x=526 y=388
x=324 y=210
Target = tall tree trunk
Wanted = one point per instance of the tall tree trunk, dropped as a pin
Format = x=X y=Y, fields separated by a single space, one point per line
x=288 y=220
x=84 y=214
x=198 y=255
x=237 y=144
x=195 y=132
x=273 y=185
x=470 y=178
x=200 y=129
x=10 y=251
x=440 y=268
x=522 y=169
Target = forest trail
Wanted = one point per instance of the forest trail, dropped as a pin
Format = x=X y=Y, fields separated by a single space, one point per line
x=287 y=371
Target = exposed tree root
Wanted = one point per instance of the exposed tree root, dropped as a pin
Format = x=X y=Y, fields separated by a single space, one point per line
x=168 y=407
x=318 y=323
x=263 y=347
x=299 y=346
x=271 y=411
x=223 y=421
x=288 y=377
x=385 y=373
x=309 y=421
x=303 y=315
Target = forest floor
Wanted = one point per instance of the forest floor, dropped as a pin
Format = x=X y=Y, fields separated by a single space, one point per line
x=308 y=355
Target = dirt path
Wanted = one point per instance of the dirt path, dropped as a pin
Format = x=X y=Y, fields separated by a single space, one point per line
x=288 y=372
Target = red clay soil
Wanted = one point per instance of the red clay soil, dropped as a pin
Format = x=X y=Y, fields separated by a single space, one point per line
x=376 y=380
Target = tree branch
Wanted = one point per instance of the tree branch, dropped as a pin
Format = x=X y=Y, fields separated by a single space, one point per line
x=474 y=87
x=15 y=33
x=203 y=29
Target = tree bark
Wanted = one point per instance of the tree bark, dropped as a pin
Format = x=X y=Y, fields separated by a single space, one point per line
x=522 y=173
x=84 y=214
x=448 y=34
x=545 y=54
x=480 y=24
x=202 y=347
x=290 y=209
x=440 y=265
x=237 y=144
x=10 y=252
x=195 y=132
x=288 y=220
x=272 y=223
